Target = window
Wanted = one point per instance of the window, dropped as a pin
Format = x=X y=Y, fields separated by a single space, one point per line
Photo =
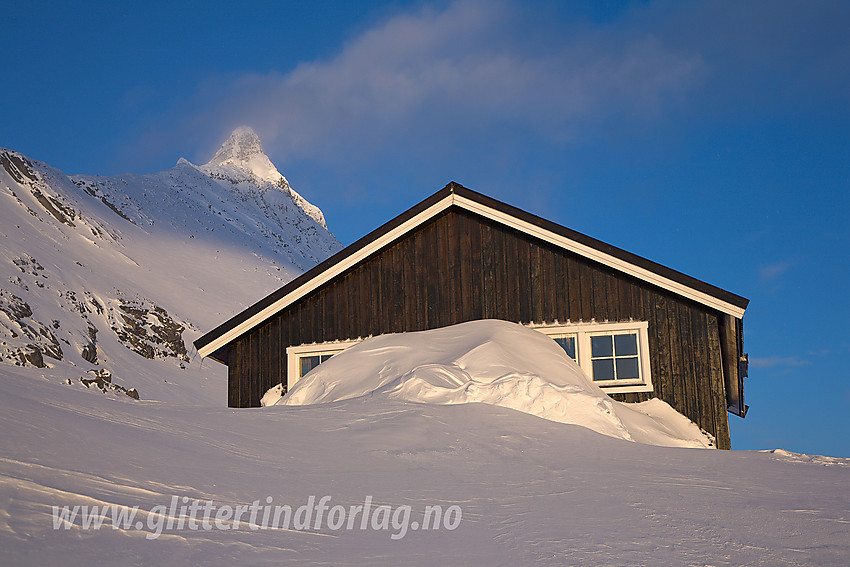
x=302 y=359
x=568 y=343
x=614 y=355
x=309 y=362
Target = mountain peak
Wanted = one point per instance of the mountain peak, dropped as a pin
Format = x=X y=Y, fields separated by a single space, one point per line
x=241 y=144
x=244 y=150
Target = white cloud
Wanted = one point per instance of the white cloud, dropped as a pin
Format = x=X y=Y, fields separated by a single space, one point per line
x=458 y=70
x=472 y=74
x=770 y=272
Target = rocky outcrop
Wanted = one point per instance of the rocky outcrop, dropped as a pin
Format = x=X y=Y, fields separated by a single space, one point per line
x=102 y=380
x=148 y=330
x=26 y=341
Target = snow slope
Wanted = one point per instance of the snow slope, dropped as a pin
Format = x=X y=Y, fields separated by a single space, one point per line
x=493 y=362
x=531 y=491
x=109 y=279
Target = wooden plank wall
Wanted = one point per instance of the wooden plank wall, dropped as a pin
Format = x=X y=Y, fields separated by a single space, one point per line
x=460 y=267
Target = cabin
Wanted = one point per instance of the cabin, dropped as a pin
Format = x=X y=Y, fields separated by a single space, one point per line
x=638 y=329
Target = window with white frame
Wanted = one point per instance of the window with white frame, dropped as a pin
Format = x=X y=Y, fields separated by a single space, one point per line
x=567 y=341
x=302 y=359
x=614 y=355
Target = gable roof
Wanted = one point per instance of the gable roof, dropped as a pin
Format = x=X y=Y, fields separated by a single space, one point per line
x=455 y=195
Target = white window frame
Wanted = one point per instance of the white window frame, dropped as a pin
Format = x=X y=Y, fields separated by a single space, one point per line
x=294 y=354
x=583 y=332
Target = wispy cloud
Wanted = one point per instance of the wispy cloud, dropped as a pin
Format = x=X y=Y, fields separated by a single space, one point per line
x=470 y=72
x=770 y=272
x=451 y=70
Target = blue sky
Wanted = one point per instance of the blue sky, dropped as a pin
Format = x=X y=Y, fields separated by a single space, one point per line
x=710 y=136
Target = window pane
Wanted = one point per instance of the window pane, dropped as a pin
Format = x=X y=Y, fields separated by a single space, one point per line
x=627 y=368
x=625 y=345
x=601 y=346
x=568 y=344
x=308 y=363
x=603 y=369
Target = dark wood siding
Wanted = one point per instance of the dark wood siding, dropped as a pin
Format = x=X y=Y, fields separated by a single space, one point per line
x=460 y=267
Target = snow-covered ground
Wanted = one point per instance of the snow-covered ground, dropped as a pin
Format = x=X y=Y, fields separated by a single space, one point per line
x=522 y=489
x=531 y=491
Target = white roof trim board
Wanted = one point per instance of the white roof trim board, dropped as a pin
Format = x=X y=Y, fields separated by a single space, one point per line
x=327 y=275
x=601 y=257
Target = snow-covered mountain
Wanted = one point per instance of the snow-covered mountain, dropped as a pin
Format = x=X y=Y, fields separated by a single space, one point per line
x=241 y=160
x=111 y=278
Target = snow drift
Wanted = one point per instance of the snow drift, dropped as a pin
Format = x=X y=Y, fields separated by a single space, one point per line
x=492 y=362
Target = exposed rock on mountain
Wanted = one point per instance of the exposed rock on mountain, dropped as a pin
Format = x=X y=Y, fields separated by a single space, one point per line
x=118 y=274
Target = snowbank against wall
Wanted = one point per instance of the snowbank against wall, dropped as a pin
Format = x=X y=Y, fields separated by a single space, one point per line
x=491 y=362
